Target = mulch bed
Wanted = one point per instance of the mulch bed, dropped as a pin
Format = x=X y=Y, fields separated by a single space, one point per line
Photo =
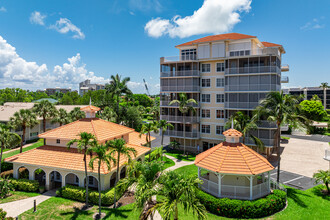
x=127 y=198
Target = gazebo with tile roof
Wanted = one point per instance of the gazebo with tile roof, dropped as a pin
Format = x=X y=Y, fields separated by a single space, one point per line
x=233 y=170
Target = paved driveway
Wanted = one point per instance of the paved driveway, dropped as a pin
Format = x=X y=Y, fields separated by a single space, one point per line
x=304 y=156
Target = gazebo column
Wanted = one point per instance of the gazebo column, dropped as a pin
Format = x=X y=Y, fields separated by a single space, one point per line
x=268 y=181
x=251 y=187
x=199 y=172
x=47 y=185
x=219 y=184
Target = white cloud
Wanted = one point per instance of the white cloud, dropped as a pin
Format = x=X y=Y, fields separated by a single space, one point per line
x=37 y=18
x=3 y=9
x=146 y=5
x=314 y=24
x=64 y=26
x=17 y=72
x=215 y=16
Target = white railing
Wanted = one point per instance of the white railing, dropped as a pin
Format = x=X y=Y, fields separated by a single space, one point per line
x=179 y=73
x=176 y=118
x=210 y=187
x=241 y=105
x=253 y=87
x=188 y=57
x=327 y=154
x=252 y=69
x=180 y=88
x=284 y=79
x=175 y=133
x=276 y=185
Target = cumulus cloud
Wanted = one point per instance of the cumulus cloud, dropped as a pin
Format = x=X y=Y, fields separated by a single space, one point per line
x=17 y=72
x=215 y=16
x=64 y=26
x=3 y=9
x=316 y=23
x=37 y=18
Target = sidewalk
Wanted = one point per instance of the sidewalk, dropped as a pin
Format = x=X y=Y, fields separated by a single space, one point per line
x=178 y=163
x=16 y=208
x=26 y=145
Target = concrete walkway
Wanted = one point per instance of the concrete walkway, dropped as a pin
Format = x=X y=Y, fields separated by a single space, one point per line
x=16 y=208
x=26 y=145
x=178 y=163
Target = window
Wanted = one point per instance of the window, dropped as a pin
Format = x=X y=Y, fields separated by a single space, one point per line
x=189 y=54
x=219 y=130
x=206 y=113
x=220 y=67
x=58 y=176
x=206 y=67
x=220 y=82
x=90 y=180
x=220 y=113
x=220 y=98
x=206 y=98
x=206 y=129
x=33 y=134
x=58 y=141
x=206 y=82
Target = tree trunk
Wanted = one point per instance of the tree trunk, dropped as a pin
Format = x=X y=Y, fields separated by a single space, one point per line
x=99 y=171
x=117 y=177
x=23 y=139
x=176 y=214
x=162 y=136
x=184 y=134
x=86 y=177
x=278 y=151
x=44 y=124
x=243 y=139
x=2 y=146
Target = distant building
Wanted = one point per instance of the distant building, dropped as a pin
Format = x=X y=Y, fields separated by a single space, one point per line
x=53 y=91
x=309 y=92
x=86 y=86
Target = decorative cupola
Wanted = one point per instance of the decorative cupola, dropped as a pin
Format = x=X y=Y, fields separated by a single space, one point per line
x=232 y=135
x=90 y=110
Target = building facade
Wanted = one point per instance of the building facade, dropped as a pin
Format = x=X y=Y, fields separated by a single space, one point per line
x=224 y=74
x=86 y=86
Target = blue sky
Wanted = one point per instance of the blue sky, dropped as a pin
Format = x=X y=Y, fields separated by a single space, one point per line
x=128 y=37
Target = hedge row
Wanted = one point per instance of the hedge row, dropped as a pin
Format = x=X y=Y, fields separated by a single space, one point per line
x=6 y=166
x=25 y=185
x=233 y=208
x=3 y=214
x=79 y=194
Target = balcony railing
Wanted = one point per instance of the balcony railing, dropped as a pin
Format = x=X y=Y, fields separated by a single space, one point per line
x=254 y=52
x=285 y=67
x=267 y=142
x=284 y=79
x=175 y=118
x=189 y=57
x=180 y=73
x=167 y=103
x=252 y=69
x=266 y=124
x=174 y=133
x=253 y=87
x=180 y=88
x=241 y=105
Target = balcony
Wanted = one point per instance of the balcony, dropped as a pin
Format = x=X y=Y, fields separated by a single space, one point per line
x=253 y=69
x=267 y=142
x=180 y=88
x=285 y=68
x=183 y=73
x=167 y=103
x=284 y=79
x=176 y=118
x=253 y=87
x=173 y=133
x=189 y=57
x=254 y=52
x=241 y=105
x=266 y=124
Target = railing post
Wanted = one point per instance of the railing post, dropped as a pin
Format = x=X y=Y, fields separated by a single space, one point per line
x=268 y=181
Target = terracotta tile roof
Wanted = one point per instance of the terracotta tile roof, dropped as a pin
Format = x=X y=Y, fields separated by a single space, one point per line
x=229 y=36
x=64 y=158
x=233 y=158
x=268 y=44
x=135 y=139
x=232 y=132
x=90 y=107
x=103 y=130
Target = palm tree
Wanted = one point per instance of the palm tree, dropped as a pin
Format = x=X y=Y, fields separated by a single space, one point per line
x=164 y=125
x=146 y=129
x=108 y=114
x=324 y=86
x=242 y=123
x=118 y=87
x=61 y=117
x=155 y=110
x=119 y=147
x=45 y=110
x=323 y=176
x=185 y=105
x=76 y=114
x=86 y=140
x=8 y=139
x=175 y=189
x=24 y=118
x=101 y=154
x=281 y=109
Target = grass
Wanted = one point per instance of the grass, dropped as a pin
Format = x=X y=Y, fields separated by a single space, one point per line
x=60 y=208
x=168 y=162
x=39 y=143
x=18 y=195
x=285 y=138
x=188 y=170
x=178 y=155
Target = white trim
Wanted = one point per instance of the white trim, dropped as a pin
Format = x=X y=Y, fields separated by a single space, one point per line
x=201 y=69
x=217 y=67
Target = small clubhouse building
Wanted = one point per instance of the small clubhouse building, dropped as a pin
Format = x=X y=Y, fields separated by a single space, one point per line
x=55 y=165
x=233 y=170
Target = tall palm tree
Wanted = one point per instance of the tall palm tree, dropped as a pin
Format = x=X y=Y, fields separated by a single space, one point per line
x=61 y=117
x=8 y=139
x=103 y=156
x=118 y=87
x=155 y=110
x=146 y=129
x=324 y=86
x=108 y=114
x=281 y=109
x=76 y=114
x=242 y=123
x=119 y=147
x=45 y=110
x=164 y=125
x=185 y=105
x=83 y=143
x=24 y=118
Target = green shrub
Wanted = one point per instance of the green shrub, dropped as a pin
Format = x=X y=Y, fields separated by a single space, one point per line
x=313 y=110
x=2 y=214
x=6 y=166
x=8 y=173
x=25 y=185
x=5 y=187
x=31 y=141
x=233 y=208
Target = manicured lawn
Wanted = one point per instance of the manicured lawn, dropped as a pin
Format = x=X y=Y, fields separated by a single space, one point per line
x=188 y=170
x=60 y=208
x=39 y=143
x=285 y=138
x=18 y=195
x=180 y=157
x=168 y=162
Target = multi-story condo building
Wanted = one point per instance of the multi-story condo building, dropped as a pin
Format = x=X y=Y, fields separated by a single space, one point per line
x=53 y=91
x=224 y=73
x=309 y=92
x=86 y=86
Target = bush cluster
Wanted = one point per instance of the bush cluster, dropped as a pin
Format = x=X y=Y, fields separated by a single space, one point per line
x=7 y=174
x=233 y=208
x=2 y=214
x=6 y=166
x=25 y=185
